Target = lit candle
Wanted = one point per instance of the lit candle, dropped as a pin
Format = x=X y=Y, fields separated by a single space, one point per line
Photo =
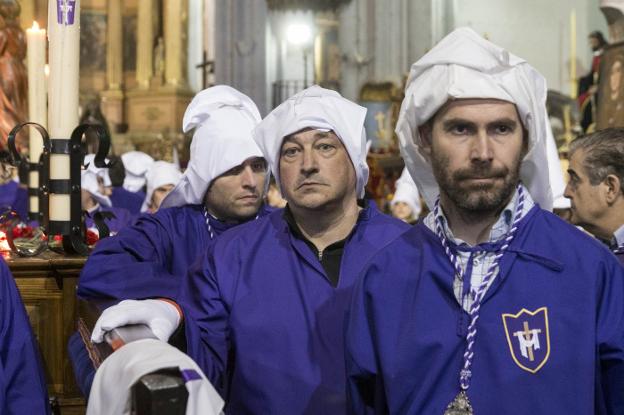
x=37 y=101
x=64 y=35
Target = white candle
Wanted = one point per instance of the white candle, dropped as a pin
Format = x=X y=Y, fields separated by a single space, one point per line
x=37 y=94
x=37 y=101
x=64 y=53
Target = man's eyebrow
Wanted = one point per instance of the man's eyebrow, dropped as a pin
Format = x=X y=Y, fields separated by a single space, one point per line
x=571 y=172
x=289 y=139
x=453 y=122
x=322 y=134
x=504 y=120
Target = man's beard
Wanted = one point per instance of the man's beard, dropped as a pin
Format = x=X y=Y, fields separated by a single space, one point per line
x=476 y=198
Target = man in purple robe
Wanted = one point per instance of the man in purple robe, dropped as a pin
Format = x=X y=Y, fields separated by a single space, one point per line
x=222 y=187
x=596 y=186
x=490 y=305
x=264 y=308
x=23 y=387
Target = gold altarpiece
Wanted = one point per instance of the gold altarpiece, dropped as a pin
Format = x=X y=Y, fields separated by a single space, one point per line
x=133 y=60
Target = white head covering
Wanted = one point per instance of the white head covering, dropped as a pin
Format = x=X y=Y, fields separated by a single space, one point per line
x=407 y=192
x=557 y=182
x=136 y=164
x=223 y=119
x=465 y=65
x=89 y=182
x=160 y=174
x=110 y=393
x=321 y=109
x=100 y=171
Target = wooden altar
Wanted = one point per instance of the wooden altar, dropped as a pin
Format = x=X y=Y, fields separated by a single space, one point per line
x=47 y=284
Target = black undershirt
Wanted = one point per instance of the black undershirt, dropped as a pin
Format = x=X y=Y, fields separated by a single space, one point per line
x=331 y=256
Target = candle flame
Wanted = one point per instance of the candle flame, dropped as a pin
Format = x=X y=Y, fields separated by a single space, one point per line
x=46 y=69
x=35 y=25
x=4 y=243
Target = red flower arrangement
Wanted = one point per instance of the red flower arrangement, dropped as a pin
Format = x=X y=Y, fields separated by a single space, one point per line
x=92 y=237
x=22 y=231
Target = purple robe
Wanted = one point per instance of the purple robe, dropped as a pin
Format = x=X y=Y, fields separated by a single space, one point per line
x=16 y=197
x=145 y=260
x=23 y=387
x=264 y=322
x=128 y=200
x=550 y=336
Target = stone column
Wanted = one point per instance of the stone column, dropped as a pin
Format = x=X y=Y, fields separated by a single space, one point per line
x=114 y=51
x=145 y=43
x=240 y=52
x=112 y=97
x=176 y=15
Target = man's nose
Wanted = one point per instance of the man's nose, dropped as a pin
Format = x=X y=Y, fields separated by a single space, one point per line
x=481 y=147
x=248 y=178
x=308 y=161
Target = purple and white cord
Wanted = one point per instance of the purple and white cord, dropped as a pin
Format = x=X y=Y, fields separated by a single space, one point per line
x=207 y=216
x=479 y=293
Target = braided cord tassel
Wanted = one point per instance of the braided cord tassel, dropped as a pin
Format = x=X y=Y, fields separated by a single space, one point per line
x=479 y=293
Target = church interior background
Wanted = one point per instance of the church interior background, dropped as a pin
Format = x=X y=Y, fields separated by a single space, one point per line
x=141 y=62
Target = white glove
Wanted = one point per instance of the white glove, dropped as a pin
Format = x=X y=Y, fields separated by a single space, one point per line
x=161 y=316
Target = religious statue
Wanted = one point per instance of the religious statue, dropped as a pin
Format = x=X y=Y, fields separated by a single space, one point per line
x=588 y=84
x=92 y=114
x=13 y=76
x=611 y=98
x=159 y=61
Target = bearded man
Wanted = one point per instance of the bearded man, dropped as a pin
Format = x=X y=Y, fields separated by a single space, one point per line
x=491 y=305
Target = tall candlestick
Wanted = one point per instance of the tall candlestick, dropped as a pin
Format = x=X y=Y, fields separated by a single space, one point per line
x=37 y=104
x=64 y=35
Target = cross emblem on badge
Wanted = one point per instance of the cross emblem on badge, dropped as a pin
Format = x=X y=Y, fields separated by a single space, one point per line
x=528 y=338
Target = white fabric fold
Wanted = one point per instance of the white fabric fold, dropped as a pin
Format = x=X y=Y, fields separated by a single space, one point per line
x=89 y=182
x=100 y=171
x=110 y=392
x=136 y=165
x=160 y=174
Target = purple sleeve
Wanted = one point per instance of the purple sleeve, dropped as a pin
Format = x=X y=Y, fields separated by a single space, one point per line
x=132 y=264
x=206 y=319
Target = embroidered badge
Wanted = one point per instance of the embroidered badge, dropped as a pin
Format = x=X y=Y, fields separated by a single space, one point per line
x=528 y=338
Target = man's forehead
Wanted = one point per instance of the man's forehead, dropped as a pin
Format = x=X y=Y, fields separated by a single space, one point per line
x=577 y=158
x=472 y=107
x=309 y=132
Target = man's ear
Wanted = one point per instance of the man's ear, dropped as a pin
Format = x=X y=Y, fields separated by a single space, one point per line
x=525 y=142
x=613 y=188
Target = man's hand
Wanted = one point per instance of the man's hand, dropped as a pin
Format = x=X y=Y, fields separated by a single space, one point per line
x=161 y=316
